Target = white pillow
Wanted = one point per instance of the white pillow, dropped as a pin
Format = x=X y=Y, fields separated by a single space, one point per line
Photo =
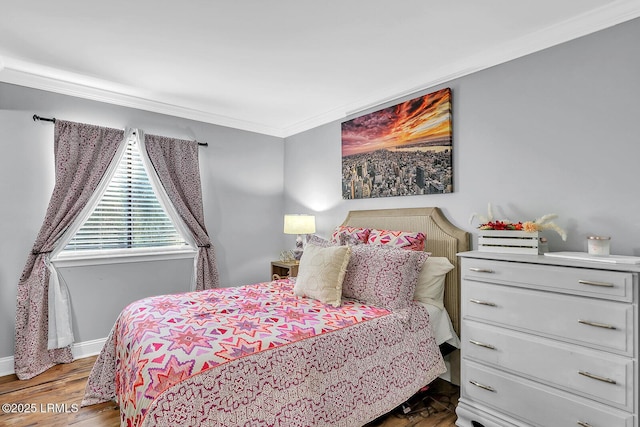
x=321 y=273
x=430 y=287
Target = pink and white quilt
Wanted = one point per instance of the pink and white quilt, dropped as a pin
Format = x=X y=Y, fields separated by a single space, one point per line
x=258 y=355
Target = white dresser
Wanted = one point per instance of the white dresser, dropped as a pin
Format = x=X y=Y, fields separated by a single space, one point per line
x=548 y=342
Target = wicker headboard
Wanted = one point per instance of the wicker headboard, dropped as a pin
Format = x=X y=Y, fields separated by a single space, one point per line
x=443 y=239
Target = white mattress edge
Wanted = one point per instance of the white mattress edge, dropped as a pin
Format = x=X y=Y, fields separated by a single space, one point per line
x=441 y=325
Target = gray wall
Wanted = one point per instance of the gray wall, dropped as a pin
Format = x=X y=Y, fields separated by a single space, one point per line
x=553 y=132
x=556 y=131
x=242 y=183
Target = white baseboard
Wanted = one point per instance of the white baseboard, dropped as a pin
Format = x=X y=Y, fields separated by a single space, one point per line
x=78 y=350
x=6 y=366
x=87 y=348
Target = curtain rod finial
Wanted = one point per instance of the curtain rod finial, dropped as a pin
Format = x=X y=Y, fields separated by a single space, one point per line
x=44 y=119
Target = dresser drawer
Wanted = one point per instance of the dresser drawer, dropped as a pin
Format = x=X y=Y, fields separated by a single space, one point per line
x=605 y=325
x=535 y=403
x=614 y=285
x=590 y=373
x=471 y=416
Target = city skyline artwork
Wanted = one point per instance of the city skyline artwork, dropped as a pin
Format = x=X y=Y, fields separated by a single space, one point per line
x=402 y=150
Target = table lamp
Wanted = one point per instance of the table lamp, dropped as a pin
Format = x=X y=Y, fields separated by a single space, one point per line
x=299 y=224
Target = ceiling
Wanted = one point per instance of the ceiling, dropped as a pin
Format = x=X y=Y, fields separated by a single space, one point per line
x=276 y=67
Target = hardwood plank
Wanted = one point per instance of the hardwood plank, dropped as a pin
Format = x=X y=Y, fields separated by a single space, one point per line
x=79 y=368
x=56 y=394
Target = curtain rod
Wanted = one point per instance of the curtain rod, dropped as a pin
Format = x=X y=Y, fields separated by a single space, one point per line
x=53 y=120
x=44 y=119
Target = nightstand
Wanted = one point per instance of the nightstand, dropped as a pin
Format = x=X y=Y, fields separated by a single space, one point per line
x=284 y=268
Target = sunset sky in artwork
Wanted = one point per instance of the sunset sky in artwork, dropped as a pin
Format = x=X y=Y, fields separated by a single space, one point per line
x=420 y=120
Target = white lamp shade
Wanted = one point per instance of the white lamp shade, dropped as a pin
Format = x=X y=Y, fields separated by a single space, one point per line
x=299 y=224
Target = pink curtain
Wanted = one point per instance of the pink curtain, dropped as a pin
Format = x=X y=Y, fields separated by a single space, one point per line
x=176 y=163
x=82 y=155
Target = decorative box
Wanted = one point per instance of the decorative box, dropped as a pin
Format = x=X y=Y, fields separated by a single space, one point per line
x=511 y=242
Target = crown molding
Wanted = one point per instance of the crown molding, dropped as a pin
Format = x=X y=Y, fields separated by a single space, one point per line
x=581 y=25
x=35 y=76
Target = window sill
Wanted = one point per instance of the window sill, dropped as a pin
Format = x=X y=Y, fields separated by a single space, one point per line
x=122 y=257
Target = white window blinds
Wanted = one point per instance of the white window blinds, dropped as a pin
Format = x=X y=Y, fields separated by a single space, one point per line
x=128 y=215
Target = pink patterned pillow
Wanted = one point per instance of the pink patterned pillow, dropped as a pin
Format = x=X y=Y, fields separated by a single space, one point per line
x=413 y=241
x=361 y=234
x=350 y=240
x=319 y=241
x=381 y=276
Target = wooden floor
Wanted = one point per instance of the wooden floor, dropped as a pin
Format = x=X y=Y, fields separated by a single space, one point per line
x=53 y=399
x=434 y=407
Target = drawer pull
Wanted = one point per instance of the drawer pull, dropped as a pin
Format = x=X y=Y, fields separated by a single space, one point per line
x=594 y=283
x=480 y=270
x=477 y=301
x=583 y=424
x=481 y=344
x=597 y=377
x=482 y=386
x=596 y=324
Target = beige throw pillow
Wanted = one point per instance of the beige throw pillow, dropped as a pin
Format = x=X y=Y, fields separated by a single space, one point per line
x=430 y=287
x=321 y=273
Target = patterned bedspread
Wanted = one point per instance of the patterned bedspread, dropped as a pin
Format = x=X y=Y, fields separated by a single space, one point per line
x=258 y=355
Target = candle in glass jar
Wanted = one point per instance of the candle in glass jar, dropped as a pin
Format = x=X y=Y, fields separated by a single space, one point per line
x=598 y=245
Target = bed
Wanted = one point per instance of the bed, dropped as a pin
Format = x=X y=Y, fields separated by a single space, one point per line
x=267 y=355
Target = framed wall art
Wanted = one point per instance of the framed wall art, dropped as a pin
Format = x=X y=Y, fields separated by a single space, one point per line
x=402 y=150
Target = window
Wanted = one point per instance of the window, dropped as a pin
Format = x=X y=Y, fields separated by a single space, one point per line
x=128 y=215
